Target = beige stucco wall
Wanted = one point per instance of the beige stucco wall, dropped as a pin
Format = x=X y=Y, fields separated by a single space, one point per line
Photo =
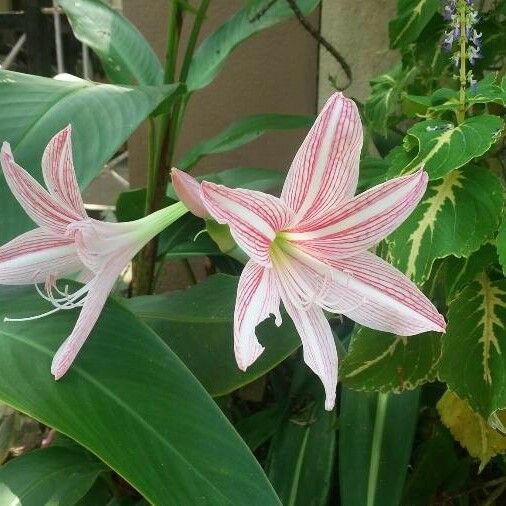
x=359 y=30
x=273 y=72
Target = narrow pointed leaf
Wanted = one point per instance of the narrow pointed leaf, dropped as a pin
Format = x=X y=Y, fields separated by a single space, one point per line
x=103 y=116
x=197 y=324
x=49 y=476
x=456 y=216
x=242 y=132
x=440 y=146
x=124 y=52
x=132 y=402
x=378 y=361
x=302 y=452
x=210 y=57
x=412 y=17
x=473 y=357
x=375 y=438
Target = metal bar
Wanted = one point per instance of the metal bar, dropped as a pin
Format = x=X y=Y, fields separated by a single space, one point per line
x=13 y=52
x=60 y=66
x=87 y=73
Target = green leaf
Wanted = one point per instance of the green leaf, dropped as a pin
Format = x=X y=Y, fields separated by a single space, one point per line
x=210 y=57
x=385 y=97
x=385 y=362
x=437 y=466
x=470 y=429
x=34 y=108
x=197 y=324
x=301 y=455
x=473 y=357
x=261 y=426
x=125 y=54
x=48 y=476
x=242 y=132
x=460 y=272
x=412 y=17
x=442 y=147
x=501 y=244
x=375 y=439
x=241 y=177
x=185 y=238
x=129 y=400
x=456 y=216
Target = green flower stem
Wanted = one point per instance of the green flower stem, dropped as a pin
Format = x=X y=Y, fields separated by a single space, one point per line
x=461 y=113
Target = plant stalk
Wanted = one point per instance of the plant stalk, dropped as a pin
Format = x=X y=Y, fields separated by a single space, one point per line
x=461 y=113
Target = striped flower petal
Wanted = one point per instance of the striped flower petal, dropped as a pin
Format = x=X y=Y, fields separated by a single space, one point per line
x=319 y=349
x=98 y=290
x=324 y=171
x=59 y=174
x=363 y=221
x=34 y=256
x=373 y=293
x=254 y=217
x=42 y=208
x=187 y=188
x=257 y=299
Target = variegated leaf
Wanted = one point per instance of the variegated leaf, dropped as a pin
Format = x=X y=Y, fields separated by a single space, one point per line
x=457 y=215
x=412 y=17
x=470 y=429
x=385 y=96
x=443 y=146
x=384 y=362
x=473 y=360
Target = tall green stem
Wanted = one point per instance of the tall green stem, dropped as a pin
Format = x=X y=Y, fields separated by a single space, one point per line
x=461 y=113
x=159 y=136
x=163 y=138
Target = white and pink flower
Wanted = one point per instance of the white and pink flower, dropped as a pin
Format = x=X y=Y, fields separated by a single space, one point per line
x=309 y=248
x=68 y=242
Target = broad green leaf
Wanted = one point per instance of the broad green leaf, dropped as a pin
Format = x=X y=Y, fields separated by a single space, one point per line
x=130 y=401
x=375 y=437
x=473 y=350
x=210 y=57
x=48 y=476
x=34 y=108
x=457 y=215
x=301 y=456
x=470 y=429
x=441 y=146
x=241 y=177
x=197 y=324
x=125 y=54
x=242 y=132
x=385 y=96
x=412 y=17
x=378 y=361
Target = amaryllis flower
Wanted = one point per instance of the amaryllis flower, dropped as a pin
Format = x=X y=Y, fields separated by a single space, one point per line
x=310 y=247
x=68 y=242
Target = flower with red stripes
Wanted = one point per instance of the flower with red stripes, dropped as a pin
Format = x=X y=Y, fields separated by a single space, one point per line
x=69 y=242
x=309 y=248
